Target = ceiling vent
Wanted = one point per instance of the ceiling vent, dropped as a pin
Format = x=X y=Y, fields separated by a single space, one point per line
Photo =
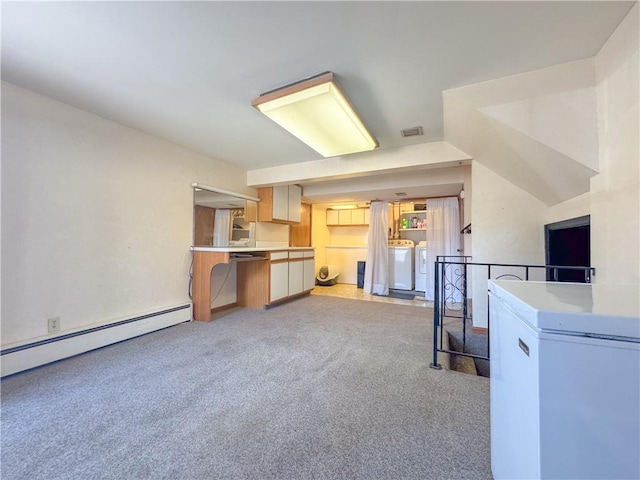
x=411 y=132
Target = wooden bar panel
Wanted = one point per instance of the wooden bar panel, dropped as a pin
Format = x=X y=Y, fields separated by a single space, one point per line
x=203 y=263
x=253 y=284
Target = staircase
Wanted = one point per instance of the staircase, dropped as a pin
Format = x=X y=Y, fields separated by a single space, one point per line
x=476 y=344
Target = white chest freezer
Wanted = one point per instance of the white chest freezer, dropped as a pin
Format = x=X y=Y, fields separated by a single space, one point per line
x=565 y=380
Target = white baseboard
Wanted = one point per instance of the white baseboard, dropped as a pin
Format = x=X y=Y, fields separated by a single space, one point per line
x=34 y=354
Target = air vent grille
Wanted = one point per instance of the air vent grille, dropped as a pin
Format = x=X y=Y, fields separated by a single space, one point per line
x=411 y=132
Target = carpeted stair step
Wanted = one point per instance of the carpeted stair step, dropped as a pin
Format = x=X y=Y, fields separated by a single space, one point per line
x=475 y=344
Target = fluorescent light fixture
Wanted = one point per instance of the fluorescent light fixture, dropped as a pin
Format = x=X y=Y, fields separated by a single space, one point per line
x=318 y=113
x=349 y=206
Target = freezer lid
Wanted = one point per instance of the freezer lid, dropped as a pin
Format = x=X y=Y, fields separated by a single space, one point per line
x=595 y=309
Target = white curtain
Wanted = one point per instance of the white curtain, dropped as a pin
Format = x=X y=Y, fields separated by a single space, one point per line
x=443 y=238
x=221 y=228
x=376 y=272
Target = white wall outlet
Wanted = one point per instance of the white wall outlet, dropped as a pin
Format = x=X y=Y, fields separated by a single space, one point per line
x=53 y=324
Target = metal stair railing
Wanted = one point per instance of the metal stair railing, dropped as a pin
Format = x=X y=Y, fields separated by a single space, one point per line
x=451 y=299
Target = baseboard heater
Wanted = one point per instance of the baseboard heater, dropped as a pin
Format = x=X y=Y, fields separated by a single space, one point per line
x=18 y=358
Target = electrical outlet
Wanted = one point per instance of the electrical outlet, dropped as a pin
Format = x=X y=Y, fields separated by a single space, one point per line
x=53 y=324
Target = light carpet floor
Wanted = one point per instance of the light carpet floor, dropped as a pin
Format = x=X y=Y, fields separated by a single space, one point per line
x=319 y=388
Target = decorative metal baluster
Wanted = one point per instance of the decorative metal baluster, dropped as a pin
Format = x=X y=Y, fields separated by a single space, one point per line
x=436 y=318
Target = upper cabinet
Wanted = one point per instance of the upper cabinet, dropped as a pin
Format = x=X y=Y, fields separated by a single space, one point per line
x=280 y=204
x=300 y=234
x=353 y=217
x=250 y=211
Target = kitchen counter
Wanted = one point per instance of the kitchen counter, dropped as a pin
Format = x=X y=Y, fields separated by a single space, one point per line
x=253 y=275
x=246 y=249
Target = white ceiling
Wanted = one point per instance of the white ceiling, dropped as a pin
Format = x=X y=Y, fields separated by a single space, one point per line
x=187 y=71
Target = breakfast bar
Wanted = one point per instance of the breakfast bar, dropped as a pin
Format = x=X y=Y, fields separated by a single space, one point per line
x=265 y=275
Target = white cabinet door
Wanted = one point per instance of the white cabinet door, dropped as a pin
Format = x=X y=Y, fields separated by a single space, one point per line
x=281 y=203
x=332 y=217
x=279 y=281
x=295 y=277
x=309 y=274
x=294 y=203
x=344 y=217
x=357 y=216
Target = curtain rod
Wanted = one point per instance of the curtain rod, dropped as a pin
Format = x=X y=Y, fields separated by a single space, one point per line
x=413 y=199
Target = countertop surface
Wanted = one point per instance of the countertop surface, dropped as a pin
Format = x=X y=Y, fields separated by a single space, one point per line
x=247 y=249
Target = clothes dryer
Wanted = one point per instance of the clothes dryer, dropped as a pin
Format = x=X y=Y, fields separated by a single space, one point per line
x=421 y=267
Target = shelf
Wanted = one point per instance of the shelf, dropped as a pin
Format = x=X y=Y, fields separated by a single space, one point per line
x=413 y=213
x=412 y=229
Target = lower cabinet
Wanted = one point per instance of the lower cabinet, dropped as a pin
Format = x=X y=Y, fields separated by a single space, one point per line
x=291 y=273
x=279 y=276
x=309 y=274
x=296 y=275
x=279 y=281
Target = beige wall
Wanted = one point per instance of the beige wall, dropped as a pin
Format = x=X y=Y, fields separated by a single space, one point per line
x=507 y=228
x=615 y=197
x=467 y=213
x=320 y=235
x=96 y=217
x=508 y=222
x=344 y=259
x=576 y=207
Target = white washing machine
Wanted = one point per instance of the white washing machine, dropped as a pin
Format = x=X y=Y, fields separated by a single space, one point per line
x=421 y=266
x=401 y=264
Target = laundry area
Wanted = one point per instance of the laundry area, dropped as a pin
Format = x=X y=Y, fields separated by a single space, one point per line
x=417 y=231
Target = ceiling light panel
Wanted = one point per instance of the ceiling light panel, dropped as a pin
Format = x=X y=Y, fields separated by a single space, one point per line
x=349 y=206
x=318 y=113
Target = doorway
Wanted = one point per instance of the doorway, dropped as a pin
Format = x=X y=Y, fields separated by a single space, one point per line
x=568 y=243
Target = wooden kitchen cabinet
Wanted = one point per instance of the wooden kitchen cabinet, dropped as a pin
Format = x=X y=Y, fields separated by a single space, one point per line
x=295 y=201
x=357 y=216
x=344 y=217
x=250 y=211
x=292 y=273
x=265 y=277
x=332 y=217
x=354 y=217
x=300 y=233
x=280 y=204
